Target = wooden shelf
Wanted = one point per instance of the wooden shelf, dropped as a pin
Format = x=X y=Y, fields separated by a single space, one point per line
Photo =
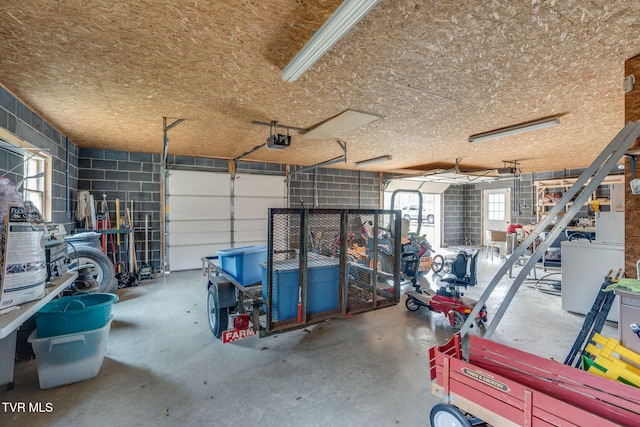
x=560 y=185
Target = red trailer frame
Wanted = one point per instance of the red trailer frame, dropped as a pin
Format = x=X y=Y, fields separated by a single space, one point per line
x=505 y=386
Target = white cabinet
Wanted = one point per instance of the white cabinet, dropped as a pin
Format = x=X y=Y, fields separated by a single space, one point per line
x=584 y=266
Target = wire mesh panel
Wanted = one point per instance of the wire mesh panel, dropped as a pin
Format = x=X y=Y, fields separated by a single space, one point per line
x=320 y=264
x=373 y=252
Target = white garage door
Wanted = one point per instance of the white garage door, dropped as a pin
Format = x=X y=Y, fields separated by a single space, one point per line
x=200 y=213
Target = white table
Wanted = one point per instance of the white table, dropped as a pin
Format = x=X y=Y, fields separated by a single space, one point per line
x=11 y=321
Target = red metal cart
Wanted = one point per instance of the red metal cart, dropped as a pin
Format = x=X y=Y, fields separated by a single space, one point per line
x=503 y=386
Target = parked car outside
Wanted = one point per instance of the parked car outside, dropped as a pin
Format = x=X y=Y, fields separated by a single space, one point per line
x=410 y=212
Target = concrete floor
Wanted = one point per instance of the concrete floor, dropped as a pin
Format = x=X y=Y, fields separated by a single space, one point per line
x=163 y=367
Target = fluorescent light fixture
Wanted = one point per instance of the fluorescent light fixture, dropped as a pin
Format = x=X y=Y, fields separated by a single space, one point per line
x=348 y=14
x=514 y=130
x=373 y=161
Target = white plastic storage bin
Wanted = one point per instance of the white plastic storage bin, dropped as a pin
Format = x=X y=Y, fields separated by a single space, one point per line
x=66 y=359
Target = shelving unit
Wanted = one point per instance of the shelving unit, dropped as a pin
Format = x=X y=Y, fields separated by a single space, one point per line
x=560 y=185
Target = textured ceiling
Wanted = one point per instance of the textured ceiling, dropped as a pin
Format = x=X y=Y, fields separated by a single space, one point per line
x=105 y=73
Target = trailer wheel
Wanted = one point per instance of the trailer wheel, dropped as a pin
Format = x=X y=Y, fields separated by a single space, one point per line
x=443 y=415
x=411 y=304
x=218 y=317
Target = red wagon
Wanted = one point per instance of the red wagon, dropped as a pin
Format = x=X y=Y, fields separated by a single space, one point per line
x=502 y=386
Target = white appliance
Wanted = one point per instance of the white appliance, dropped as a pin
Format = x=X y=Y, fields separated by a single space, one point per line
x=584 y=266
x=610 y=227
x=629 y=313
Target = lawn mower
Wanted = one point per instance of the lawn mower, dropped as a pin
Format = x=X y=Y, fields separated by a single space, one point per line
x=448 y=299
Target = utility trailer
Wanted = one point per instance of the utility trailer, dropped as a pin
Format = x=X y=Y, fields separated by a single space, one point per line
x=501 y=386
x=318 y=264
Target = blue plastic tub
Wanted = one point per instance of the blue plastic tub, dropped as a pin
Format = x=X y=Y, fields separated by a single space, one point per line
x=76 y=313
x=243 y=264
x=322 y=287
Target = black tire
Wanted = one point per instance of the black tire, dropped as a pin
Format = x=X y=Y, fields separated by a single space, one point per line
x=437 y=263
x=102 y=271
x=411 y=304
x=218 y=317
x=458 y=319
x=430 y=219
x=443 y=415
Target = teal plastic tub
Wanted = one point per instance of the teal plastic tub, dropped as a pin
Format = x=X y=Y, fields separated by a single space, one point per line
x=73 y=314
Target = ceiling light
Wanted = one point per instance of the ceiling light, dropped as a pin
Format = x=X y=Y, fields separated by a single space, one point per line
x=343 y=19
x=514 y=130
x=343 y=123
x=373 y=161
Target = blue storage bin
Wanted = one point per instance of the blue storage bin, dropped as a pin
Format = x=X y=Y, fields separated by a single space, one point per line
x=322 y=287
x=243 y=264
x=75 y=313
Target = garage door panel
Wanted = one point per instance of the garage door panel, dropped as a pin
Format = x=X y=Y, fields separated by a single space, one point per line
x=199 y=221
x=259 y=225
x=200 y=226
x=198 y=208
x=196 y=183
x=251 y=231
x=251 y=236
x=259 y=185
x=240 y=243
x=246 y=208
x=198 y=238
x=190 y=257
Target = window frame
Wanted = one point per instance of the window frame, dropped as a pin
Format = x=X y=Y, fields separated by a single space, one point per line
x=41 y=185
x=496 y=209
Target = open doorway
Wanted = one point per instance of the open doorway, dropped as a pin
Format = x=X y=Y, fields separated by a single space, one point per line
x=408 y=203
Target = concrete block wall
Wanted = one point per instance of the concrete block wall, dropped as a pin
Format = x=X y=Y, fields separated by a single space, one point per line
x=453 y=219
x=136 y=177
x=335 y=189
x=133 y=179
x=472 y=215
x=18 y=119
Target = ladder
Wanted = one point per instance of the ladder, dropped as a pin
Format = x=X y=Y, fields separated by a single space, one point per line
x=579 y=194
x=594 y=320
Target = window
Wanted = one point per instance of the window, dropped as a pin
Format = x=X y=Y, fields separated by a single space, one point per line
x=35 y=186
x=497 y=207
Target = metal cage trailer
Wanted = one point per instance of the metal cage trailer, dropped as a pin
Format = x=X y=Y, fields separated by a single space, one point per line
x=318 y=264
x=502 y=386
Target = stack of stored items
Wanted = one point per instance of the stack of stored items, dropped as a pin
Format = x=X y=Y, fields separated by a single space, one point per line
x=71 y=338
x=23 y=270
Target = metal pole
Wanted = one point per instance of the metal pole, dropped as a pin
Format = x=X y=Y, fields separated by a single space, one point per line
x=164 y=213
